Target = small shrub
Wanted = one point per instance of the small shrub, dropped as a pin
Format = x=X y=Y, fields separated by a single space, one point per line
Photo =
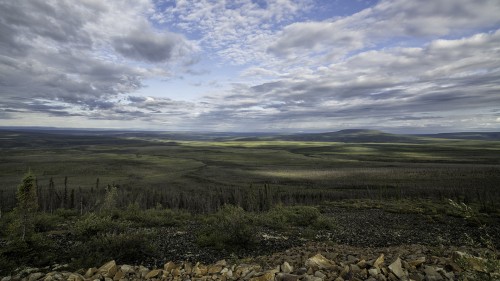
x=93 y=224
x=230 y=227
x=45 y=222
x=124 y=247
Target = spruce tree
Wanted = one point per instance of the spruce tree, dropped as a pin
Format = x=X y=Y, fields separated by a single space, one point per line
x=27 y=204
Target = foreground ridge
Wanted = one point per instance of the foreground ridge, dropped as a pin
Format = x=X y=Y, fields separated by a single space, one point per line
x=414 y=266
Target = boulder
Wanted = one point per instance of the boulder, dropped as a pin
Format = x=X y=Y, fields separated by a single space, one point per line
x=90 y=272
x=397 y=269
x=470 y=262
x=75 y=277
x=169 y=266
x=267 y=276
x=286 y=277
x=286 y=267
x=153 y=273
x=108 y=269
x=379 y=261
x=319 y=262
x=431 y=274
x=417 y=262
x=35 y=276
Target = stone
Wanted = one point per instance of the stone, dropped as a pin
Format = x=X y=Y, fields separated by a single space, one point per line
x=35 y=276
x=320 y=274
x=362 y=264
x=379 y=261
x=188 y=267
x=75 y=277
x=470 y=261
x=397 y=269
x=176 y=272
x=153 y=273
x=169 y=266
x=311 y=278
x=222 y=263
x=417 y=262
x=355 y=269
x=7 y=278
x=127 y=268
x=267 y=276
x=108 y=269
x=212 y=269
x=373 y=271
x=90 y=272
x=301 y=271
x=286 y=277
x=320 y=262
x=119 y=275
x=431 y=274
x=286 y=267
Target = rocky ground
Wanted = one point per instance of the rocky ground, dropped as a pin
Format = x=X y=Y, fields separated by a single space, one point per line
x=365 y=244
x=312 y=262
x=353 y=227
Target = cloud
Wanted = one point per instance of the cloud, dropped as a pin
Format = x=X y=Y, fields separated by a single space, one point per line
x=387 y=20
x=83 y=53
x=150 y=47
x=394 y=86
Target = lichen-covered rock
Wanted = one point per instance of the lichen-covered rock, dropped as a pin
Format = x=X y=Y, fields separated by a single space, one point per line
x=319 y=262
x=108 y=269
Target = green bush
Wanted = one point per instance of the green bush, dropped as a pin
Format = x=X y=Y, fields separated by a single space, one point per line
x=93 y=224
x=123 y=247
x=45 y=222
x=230 y=227
x=281 y=218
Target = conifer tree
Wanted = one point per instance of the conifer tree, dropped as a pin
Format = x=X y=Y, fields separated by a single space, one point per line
x=27 y=204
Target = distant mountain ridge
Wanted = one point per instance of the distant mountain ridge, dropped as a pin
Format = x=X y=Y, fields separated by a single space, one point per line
x=348 y=135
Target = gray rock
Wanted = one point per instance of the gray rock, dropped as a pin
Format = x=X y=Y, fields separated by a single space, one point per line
x=320 y=274
x=286 y=267
x=35 y=276
x=397 y=269
x=7 y=278
x=431 y=274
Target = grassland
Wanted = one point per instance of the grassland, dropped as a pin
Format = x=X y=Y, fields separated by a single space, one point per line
x=138 y=163
x=179 y=194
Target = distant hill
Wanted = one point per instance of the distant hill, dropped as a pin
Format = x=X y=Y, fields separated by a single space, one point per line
x=491 y=136
x=350 y=135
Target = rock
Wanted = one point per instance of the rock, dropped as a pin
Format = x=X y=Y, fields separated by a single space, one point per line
x=119 y=275
x=176 y=272
x=355 y=269
x=212 y=269
x=169 y=266
x=373 y=271
x=417 y=262
x=126 y=268
x=311 y=278
x=286 y=267
x=267 y=276
x=222 y=263
x=320 y=274
x=108 y=270
x=7 y=278
x=90 y=272
x=397 y=269
x=469 y=261
x=319 y=262
x=153 y=273
x=379 y=261
x=361 y=264
x=188 y=267
x=35 y=276
x=75 y=277
x=431 y=274
x=301 y=271
x=287 y=277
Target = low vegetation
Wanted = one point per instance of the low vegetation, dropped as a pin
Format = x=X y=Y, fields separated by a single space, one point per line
x=102 y=197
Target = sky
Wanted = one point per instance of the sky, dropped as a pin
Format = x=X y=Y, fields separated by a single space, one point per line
x=251 y=65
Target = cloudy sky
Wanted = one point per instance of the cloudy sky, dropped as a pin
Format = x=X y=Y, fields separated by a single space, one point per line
x=251 y=65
